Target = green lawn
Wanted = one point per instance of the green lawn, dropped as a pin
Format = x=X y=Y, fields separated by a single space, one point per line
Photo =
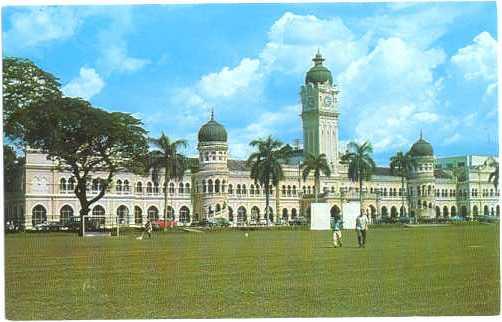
x=422 y=271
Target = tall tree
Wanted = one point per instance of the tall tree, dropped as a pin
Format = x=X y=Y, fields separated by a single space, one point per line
x=494 y=176
x=12 y=165
x=360 y=163
x=165 y=157
x=84 y=140
x=266 y=165
x=401 y=165
x=317 y=165
x=24 y=84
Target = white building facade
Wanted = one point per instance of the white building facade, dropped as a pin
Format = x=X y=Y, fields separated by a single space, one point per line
x=437 y=188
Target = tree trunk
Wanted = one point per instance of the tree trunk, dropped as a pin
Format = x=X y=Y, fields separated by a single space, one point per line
x=84 y=211
x=317 y=189
x=165 y=200
x=402 y=195
x=361 y=193
x=277 y=203
x=267 y=200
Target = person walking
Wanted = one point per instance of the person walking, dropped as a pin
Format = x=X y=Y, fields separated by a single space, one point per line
x=148 y=228
x=361 y=228
x=337 y=232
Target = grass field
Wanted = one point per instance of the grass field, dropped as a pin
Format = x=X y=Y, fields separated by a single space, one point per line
x=423 y=271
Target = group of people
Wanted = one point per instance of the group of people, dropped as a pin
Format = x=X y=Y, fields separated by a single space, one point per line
x=362 y=222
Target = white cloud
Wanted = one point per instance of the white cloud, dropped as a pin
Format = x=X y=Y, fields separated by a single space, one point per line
x=86 y=85
x=115 y=58
x=390 y=93
x=228 y=82
x=35 y=26
x=478 y=61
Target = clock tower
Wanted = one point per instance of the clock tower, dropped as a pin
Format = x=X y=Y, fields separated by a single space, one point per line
x=320 y=113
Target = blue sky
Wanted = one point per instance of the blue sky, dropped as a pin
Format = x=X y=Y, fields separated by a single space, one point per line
x=399 y=67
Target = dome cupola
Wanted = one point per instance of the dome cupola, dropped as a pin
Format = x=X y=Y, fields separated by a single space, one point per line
x=212 y=131
x=421 y=148
x=318 y=74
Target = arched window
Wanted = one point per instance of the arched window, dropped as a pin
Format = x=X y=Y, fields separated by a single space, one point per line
x=156 y=188
x=96 y=185
x=139 y=187
x=293 y=213
x=126 y=186
x=187 y=188
x=171 y=187
x=180 y=188
x=393 y=212
x=251 y=190
x=71 y=184
x=238 y=189
x=230 y=189
x=218 y=208
x=491 y=192
x=39 y=215
x=486 y=210
x=385 y=212
x=285 y=214
x=138 y=215
x=308 y=190
x=255 y=214
x=210 y=186
x=223 y=185
x=98 y=211
x=119 y=186
x=153 y=213
x=241 y=214
x=62 y=185
x=65 y=214
x=283 y=191
x=289 y=192
x=475 y=210
x=385 y=192
x=294 y=190
x=445 y=211
x=453 y=211
x=244 y=189
x=170 y=213
x=184 y=215
x=122 y=214
x=230 y=214
x=149 y=188
x=204 y=187
x=217 y=186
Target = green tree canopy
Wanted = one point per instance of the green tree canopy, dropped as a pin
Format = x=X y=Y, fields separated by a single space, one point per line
x=266 y=164
x=402 y=165
x=360 y=163
x=24 y=84
x=12 y=165
x=317 y=165
x=83 y=140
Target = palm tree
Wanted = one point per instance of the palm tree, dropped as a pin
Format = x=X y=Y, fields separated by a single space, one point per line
x=361 y=165
x=401 y=165
x=494 y=176
x=266 y=165
x=318 y=165
x=165 y=156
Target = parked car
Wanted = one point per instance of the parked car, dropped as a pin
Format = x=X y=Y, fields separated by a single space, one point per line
x=43 y=226
x=457 y=218
x=219 y=222
x=161 y=224
x=298 y=221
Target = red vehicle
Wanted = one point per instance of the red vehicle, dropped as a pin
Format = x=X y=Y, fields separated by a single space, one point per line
x=161 y=224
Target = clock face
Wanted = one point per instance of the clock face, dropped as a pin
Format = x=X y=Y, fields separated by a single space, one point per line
x=328 y=100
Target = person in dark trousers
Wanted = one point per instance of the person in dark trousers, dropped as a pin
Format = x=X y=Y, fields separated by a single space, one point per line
x=337 y=232
x=148 y=228
x=361 y=228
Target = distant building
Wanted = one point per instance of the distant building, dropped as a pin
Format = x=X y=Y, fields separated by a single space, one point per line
x=438 y=187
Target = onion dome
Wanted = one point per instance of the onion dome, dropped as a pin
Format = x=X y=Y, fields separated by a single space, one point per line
x=212 y=131
x=318 y=74
x=421 y=148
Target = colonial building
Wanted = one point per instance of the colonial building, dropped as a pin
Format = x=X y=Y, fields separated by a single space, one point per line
x=437 y=187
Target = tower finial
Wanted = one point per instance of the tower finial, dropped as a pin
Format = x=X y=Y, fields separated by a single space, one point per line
x=318 y=58
x=421 y=136
x=212 y=114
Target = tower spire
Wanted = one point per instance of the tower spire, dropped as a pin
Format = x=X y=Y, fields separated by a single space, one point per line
x=212 y=114
x=421 y=136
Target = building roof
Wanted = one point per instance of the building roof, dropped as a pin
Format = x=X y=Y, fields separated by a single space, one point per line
x=440 y=173
x=237 y=165
x=318 y=73
x=212 y=131
x=421 y=148
x=382 y=171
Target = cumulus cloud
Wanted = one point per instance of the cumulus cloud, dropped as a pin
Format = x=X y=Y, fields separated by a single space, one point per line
x=478 y=61
x=116 y=59
x=36 y=26
x=86 y=85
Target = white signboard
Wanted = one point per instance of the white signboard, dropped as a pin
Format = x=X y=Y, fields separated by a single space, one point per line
x=350 y=211
x=319 y=216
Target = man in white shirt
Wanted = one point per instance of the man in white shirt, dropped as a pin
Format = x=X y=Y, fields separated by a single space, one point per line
x=361 y=228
